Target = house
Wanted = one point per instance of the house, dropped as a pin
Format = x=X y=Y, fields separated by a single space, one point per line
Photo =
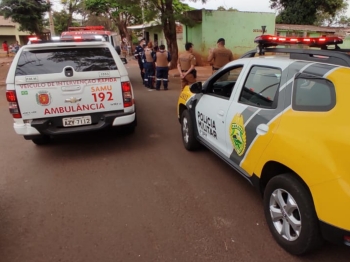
x=9 y=31
x=238 y=28
x=314 y=31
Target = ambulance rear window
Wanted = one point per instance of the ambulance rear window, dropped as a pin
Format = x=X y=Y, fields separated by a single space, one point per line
x=36 y=62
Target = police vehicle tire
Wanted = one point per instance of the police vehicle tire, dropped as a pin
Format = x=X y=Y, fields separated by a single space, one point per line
x=187 y=130
x=291 y=190
x=41 y=140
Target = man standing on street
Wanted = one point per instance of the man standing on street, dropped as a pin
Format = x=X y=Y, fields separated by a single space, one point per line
x=186 y=66
x=138 y=55
x=148 y=57
x=162 y=59
x=220 y=56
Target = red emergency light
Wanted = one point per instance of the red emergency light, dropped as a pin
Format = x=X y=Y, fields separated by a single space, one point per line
x=272 y=40
x=82 y=28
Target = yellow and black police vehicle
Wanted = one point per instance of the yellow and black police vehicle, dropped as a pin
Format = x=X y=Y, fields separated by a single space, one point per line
x=281 y=121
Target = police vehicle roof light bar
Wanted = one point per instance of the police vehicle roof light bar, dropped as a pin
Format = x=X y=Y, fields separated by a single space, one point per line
x=272 y=40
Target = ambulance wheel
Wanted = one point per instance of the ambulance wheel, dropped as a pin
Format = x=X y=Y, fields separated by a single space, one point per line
x=291 y=216
x=41 y=140
x=187 y=129
x=130 y=128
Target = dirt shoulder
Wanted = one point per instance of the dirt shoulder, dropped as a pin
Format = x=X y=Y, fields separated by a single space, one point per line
x=5 y=63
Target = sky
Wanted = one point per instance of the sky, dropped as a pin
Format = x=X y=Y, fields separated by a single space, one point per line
x=241 y=5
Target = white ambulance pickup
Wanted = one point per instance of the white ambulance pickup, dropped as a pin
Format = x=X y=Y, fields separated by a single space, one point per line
x=68 y=86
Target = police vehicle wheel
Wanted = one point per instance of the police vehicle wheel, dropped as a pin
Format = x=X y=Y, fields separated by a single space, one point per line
x=188 y=136
x=291 y=215
x=41 y=140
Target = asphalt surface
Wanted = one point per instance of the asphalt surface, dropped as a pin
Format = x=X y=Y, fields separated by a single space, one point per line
x=110 y=197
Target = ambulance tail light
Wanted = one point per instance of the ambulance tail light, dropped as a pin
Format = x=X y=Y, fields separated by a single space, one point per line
x=13 y=104
x=127 y=94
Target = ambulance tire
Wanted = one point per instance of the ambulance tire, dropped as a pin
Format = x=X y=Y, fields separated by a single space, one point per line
x=288 y=203
x=41 y=140
x=130 y=128
x=188 y=134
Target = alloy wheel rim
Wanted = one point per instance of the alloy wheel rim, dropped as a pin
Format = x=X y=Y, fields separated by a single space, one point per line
x=185 y=132
x=285 y=214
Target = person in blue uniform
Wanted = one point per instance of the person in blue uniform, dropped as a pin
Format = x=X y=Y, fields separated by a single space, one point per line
x=138 y=55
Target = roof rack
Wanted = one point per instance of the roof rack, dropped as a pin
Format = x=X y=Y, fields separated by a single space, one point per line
x=337 y=56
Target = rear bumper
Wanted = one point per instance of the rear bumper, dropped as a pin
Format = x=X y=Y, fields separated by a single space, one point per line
x=53 y=126
x=334 y=234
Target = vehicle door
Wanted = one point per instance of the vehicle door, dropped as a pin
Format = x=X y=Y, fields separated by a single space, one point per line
x=212 y=107
x=254 y=112
x=68 y=80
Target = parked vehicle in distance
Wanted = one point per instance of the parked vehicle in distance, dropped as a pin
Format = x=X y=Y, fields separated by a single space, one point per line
x=68 y=86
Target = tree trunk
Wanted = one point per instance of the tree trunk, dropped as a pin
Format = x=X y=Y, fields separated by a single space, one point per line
x=122 y=24
x=169 y=28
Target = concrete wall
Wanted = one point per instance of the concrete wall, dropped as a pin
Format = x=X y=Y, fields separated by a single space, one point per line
x=156 y=30
x=11 y=34
x=238 y=28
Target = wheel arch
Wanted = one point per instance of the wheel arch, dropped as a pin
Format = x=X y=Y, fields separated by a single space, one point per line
x=182 y=108
x=272 y=169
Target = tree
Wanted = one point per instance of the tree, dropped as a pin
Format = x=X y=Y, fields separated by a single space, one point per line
x=304 y=11
x=121 y=12
x=28 y=13
x=171 y=11
x=324 y=18
x=72 y=6
x=61 y=20
x=128 y=12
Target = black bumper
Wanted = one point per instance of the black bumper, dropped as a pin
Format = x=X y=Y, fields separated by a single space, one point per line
x=54 y=125
x=334 y=234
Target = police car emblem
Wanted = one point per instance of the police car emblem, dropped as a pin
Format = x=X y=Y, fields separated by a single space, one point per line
x=237 y=134
x=43 y=98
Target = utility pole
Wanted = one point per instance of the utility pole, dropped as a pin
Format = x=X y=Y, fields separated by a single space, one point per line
x=52 y=27
x=143 y=19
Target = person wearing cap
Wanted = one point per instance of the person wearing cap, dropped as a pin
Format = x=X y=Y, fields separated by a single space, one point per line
x=138 y=55
x=162 y=59
x=220 y=56
x=186 y=66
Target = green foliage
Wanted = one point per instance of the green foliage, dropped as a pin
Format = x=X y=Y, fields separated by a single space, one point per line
x=304 y=11
x=60 y=20
x=28 y=13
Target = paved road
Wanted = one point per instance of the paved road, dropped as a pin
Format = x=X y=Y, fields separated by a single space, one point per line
x=108 y=197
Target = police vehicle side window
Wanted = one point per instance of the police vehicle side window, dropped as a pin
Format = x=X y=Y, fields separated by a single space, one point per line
x=313 y=94
x=54 y=60
x=223 y=83
x=261 y=87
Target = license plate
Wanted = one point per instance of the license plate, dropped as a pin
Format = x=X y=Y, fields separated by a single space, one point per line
x=76 y=121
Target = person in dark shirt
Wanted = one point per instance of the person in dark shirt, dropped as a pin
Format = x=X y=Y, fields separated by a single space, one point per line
x=138 y=55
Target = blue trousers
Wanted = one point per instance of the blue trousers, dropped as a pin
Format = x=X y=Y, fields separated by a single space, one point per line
x=162 y=75
x=149 y=74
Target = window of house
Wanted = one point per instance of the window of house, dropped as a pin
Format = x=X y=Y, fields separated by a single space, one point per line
x=261 y=87
x=223 y=83
x=313 y=94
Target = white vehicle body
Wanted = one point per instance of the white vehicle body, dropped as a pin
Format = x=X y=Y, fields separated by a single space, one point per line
x=68 y=87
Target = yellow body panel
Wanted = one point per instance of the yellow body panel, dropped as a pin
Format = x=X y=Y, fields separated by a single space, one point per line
x=185 y=95
x=316 y=146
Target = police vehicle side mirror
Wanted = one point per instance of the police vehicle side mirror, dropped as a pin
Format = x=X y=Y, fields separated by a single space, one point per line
x=196 y=88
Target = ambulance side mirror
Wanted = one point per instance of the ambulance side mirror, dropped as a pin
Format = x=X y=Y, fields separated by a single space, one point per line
x=196 y=88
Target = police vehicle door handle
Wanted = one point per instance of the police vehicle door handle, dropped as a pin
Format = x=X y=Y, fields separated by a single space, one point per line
x=221 y=113
x=262 y=129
